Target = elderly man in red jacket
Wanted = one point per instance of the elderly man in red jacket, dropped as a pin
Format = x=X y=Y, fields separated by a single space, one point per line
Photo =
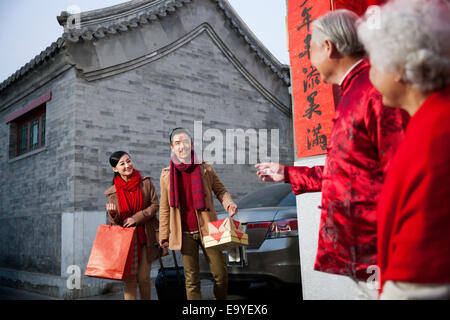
x=363 y=140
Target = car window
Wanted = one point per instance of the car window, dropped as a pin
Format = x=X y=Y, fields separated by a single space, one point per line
x=289 y=201
x=270 y=196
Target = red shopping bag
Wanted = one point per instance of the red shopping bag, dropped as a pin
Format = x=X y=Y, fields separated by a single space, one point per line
x=113 y=253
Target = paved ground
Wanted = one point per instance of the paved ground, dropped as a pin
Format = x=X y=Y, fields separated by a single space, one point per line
x=253 y=293
x=7 y=293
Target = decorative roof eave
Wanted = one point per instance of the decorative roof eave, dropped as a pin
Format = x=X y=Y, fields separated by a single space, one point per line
x=38 y=60
x=98 y=24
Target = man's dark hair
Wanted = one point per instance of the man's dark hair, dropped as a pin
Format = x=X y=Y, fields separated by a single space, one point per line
x=178 y=131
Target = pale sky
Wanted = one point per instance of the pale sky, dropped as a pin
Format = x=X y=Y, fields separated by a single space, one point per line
x=29 y=26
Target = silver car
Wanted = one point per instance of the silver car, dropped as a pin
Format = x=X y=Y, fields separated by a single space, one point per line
x=269 y=217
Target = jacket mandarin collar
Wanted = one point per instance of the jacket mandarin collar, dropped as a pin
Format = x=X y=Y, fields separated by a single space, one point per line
x=356 y=69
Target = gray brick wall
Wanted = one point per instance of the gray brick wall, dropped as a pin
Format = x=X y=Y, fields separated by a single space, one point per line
x=135 y=111
x=36 y=189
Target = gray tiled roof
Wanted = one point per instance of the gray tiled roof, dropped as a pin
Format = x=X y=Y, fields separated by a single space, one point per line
x=132 y=14
x=45 y=55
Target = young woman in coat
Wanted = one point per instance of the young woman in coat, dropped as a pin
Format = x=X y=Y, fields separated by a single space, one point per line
x=132 y=202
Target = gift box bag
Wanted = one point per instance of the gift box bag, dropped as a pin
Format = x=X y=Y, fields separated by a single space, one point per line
x=225 y=234
x=113 y=254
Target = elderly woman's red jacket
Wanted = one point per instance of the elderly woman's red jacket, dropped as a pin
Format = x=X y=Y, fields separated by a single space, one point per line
x=414 y=208
x=363 y=140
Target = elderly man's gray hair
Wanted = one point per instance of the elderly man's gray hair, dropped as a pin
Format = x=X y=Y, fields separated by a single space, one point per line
x=338 y=27
x=412 y=37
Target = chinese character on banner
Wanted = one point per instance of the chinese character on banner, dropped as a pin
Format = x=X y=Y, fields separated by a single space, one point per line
x=314 y=103
x=317 y=140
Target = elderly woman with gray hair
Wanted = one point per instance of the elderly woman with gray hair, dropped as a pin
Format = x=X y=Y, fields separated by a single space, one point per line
x=409 y=50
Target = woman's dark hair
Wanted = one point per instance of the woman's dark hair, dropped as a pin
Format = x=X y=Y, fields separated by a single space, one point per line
x=178 y=131
x=114 y=160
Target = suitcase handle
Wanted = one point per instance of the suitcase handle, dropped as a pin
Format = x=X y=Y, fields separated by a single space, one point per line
x=159 y=248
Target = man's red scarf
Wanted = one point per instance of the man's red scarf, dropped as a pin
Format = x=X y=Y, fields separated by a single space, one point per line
x=129 y=195
x=193 y=168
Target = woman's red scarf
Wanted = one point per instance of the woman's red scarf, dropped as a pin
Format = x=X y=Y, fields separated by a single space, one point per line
x=129 y=195
x=198 y=193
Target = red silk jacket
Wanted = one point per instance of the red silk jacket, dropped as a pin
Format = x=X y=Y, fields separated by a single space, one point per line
x=414 y=211
x=363 y=140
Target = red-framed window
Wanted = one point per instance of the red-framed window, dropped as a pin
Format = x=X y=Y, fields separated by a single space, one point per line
x=28 y=124
x=31 y=131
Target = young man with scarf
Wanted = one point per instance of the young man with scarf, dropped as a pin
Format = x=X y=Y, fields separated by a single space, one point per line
x=132 y=201
x=186 y=207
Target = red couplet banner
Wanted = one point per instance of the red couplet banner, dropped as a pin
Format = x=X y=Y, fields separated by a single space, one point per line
x=313 y=100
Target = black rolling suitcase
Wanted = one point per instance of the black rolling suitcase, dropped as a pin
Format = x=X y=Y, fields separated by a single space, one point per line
x=170 y=282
